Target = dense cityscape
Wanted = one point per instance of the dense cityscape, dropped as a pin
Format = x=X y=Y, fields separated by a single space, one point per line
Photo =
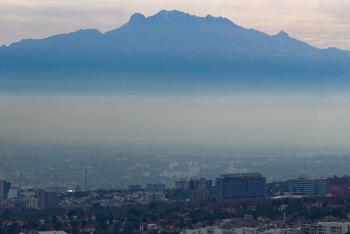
x=174 y=117
x=232 y=203
x=115 y=167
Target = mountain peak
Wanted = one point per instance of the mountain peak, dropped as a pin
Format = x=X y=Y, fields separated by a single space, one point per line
x=179 y=17
x=172 y=16
x=137 y=18
x=171 y=13
x=282 y=34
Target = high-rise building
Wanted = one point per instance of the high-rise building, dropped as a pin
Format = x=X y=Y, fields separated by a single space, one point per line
x=48 y=200
x=200 y=189
x=4 y=190
x=307 y=186
x=247 y=185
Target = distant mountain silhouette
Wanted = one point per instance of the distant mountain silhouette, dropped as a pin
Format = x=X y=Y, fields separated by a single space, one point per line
x=171 y=42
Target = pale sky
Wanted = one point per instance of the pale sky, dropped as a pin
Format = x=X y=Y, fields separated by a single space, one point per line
x=323 y=23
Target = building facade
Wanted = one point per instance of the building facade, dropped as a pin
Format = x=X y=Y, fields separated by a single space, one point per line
x=4 y=190
x=248 y=185
x=307 y=186
x=48 y=200
x=326 y=228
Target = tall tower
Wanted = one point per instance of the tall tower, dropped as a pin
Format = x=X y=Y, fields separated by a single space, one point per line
x=86 y=180
x=4 y=190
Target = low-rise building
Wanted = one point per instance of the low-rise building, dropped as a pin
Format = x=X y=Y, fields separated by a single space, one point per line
x=326 y=228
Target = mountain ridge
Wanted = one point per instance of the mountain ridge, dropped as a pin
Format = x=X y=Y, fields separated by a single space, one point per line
x=139 y=18
x=172 y=42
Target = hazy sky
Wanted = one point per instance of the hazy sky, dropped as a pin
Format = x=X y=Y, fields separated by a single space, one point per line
x=238 y=119
x=322 y=23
